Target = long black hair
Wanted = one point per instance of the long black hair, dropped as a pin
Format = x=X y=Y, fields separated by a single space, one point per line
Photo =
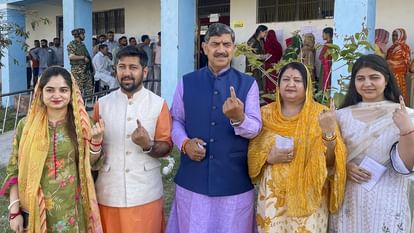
x=259 y=29
x=50 y=73
x=377 y=63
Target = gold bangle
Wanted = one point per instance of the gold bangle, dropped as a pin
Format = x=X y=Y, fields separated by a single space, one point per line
x=95 y=152
x=329 y=138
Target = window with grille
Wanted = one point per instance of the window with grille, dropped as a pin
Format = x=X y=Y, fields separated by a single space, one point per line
x=112 y=20
x=293 y=10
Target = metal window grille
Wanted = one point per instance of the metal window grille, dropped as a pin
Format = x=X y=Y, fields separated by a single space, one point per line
x=111 y=20
x=293 y=10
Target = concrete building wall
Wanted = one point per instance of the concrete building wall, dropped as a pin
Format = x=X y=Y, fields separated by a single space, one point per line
x=45 y=10
x=141 y=17
x=246 y=11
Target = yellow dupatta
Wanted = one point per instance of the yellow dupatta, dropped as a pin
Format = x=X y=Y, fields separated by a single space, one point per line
x=303 y=179
x=33 y=151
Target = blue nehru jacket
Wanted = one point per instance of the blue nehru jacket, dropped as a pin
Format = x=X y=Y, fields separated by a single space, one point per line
x=224 y=169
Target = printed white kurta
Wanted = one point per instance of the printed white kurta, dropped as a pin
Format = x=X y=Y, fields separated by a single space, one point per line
x=385 y=208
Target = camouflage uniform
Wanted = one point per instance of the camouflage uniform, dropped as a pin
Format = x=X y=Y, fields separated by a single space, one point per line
x=80 y=69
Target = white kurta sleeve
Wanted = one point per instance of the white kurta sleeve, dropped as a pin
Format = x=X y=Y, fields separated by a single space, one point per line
x=397 y=162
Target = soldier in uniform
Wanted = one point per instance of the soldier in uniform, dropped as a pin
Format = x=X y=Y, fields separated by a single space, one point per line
x=80 y=62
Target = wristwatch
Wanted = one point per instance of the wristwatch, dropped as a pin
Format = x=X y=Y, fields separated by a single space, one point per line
x=330 y=136
x=150 y=148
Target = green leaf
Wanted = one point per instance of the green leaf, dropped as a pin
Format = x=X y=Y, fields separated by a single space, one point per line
x=335 y=56
x=339 y=98
x=357 y=35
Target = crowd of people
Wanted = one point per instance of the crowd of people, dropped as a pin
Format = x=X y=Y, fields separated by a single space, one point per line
x=317 y=169
x=302 y=48
x=269 y=50
x=94 y=72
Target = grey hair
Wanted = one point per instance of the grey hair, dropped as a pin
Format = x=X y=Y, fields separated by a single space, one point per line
x=218 y=29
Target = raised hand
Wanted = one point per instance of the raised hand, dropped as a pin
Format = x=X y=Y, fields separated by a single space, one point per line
x=356 y=173
x=97 y=131
x=401 y=118
x=195 y=149
x=327 y=119
x=233 y=107
x=141 y=137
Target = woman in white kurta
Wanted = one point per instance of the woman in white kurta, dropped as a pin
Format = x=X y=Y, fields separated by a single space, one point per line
x=376 y=124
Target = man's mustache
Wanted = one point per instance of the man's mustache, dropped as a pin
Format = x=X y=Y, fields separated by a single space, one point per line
x=221 y=55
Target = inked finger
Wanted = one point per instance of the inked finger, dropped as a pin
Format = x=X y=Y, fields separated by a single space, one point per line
x=332 y=105
x=139 y=124
x=101 y=123
x=232 y=93
x=402 y=103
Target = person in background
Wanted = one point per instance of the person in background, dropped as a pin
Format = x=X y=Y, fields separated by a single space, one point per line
x=309 y=53
x=58 y=50
x=215 y=112
x=272 y=47
x=112 y=44
x=382 y=37
x=412 y=84
x=132 y=41
x=122 y=42
x=256 y=42
x=28 y=71
x=145 y=45
x=378 y=130
x=45 y=55
x=298 y=159
x=399 y=59
x=104 y=74
x=101 y=40
x=156 y=48
x=326 y=60
x=80 y=61
x=293 y=48
x=35 y=62
x=49 y=171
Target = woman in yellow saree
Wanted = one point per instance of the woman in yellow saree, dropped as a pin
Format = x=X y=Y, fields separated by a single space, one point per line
x=298 y=184
x=49 y=172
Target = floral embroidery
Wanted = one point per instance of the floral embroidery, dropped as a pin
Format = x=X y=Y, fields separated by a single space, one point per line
x=71 y=220
x=63 y=183
x=60 y=226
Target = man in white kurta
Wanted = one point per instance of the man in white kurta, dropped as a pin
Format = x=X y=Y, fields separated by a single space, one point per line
x=137 y=132
x=103 y=68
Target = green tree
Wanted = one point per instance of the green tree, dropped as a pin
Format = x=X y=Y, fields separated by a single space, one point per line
x=9 y=31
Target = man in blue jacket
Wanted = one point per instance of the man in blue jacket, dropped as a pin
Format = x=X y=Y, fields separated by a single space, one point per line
x=215 y=112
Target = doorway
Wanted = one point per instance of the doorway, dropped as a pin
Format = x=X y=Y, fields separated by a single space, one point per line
x=208 y=12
